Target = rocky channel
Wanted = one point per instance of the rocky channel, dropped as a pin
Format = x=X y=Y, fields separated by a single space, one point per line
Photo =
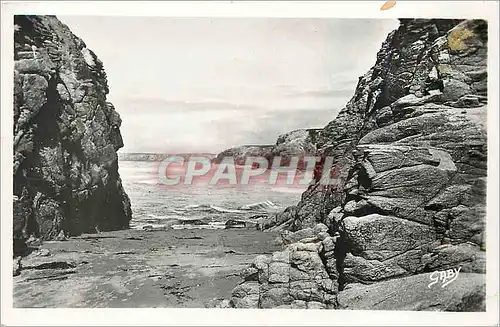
x=410 y=153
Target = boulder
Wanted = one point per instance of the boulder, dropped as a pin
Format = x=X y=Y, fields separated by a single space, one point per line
x=293 y=278
x=466 y=293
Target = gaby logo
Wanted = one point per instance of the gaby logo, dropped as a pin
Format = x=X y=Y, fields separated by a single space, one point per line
x=445 y=277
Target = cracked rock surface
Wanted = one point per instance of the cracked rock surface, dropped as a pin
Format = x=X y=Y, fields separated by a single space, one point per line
x=303 y=275
x=410 y=154
x=66 y=135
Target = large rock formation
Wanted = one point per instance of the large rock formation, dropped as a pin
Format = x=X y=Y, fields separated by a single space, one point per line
x=241 y=153
x=411 y=161
x=65 y=136
x=298 y=143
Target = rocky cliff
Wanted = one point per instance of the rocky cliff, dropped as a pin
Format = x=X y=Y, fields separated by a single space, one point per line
x=297 y=143
x=66 y=136
x=241 y=153
x=411 y=160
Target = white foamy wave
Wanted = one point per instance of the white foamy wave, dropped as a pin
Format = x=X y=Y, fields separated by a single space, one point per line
x=208 y=208
x=264 y=205
x=178 y=218
x=214 y=225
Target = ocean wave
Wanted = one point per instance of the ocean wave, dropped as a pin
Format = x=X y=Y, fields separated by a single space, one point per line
x=211 y=208
x=177 y=217
x=260 y=206
x=213 y=225
x=185 y=213
x=203 y=216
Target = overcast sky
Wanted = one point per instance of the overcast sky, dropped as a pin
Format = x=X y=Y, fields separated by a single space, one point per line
x=207 y=84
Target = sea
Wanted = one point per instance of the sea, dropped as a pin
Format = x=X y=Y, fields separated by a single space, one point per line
x=199 y=205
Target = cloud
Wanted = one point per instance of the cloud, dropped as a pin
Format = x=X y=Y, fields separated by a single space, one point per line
x=322 y=93
x=163 y=106
x=207 y=84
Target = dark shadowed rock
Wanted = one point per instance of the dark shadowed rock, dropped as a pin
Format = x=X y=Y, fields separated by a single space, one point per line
x=65 y=136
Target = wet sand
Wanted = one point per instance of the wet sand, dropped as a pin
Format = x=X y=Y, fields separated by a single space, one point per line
x=135 y=268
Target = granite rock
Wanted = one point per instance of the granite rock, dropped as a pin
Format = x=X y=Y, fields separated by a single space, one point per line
x=65 y=137
x=410 y=160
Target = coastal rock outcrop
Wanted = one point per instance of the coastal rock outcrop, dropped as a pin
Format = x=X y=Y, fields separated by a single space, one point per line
x=66 y=135
x=241 y=153
x=298 y=143
x=301 y=276
x=466 y=293
x=410 y=154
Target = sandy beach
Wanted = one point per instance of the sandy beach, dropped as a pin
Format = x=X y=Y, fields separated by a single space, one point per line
x=134 y=268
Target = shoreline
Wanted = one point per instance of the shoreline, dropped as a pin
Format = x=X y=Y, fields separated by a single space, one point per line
x=139 y=268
